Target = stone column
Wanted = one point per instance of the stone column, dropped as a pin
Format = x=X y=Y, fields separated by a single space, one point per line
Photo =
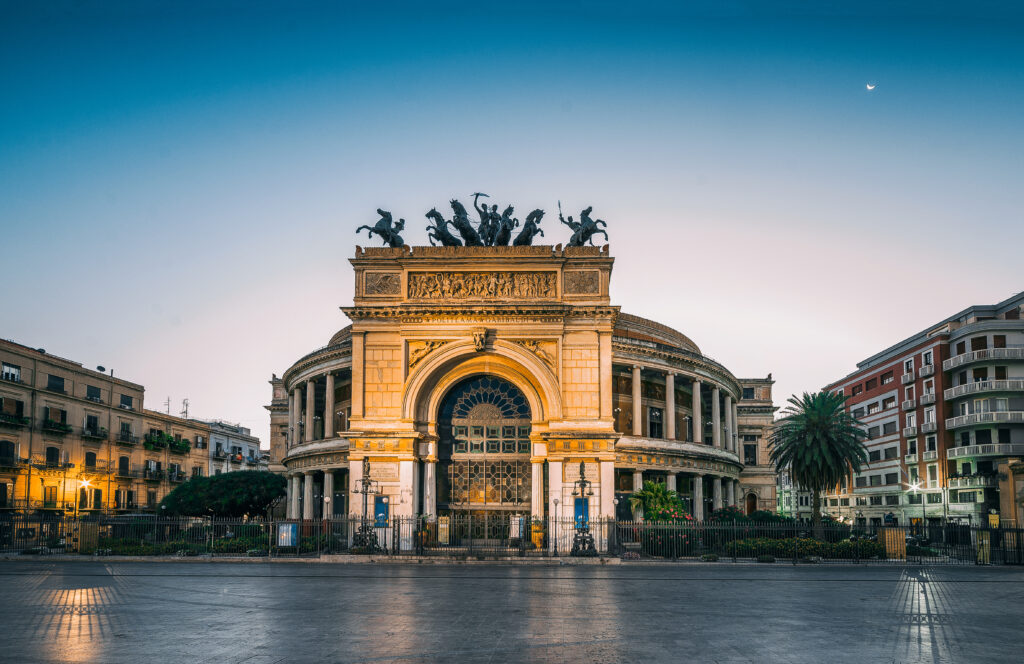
x=638 y=483
x=670 y=406
x=738 y=495
x=716 y=493
x=736 y=428
x=355 y=473
x=430 y=489
x=307 y=496
x=607 y=489
x=329 y=407
x=698 y=497
x=698 y=436
x=638 y=428
x=537 y=490
x=716 y=417
x=293 y=496
x=310 y=408
x=670 y=482
x=555 y=488
x=293 y=418
x=728 y=423
x=730 y=493
x=328 y=493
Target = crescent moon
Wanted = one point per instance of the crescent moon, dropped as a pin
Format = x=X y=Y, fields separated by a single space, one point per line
x=869 y=86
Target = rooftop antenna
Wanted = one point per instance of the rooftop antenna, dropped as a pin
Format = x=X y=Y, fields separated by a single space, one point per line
x=167 y=405
x=184 y=408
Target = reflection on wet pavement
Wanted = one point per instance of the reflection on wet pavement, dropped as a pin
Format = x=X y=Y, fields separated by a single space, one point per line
x=218 y=612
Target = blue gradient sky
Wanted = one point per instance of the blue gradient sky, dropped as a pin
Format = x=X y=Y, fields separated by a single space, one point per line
x=179 y=184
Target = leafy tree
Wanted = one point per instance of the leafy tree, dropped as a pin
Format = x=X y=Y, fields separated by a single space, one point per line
x=655 y=500
x=246 y=493
x=819 y=443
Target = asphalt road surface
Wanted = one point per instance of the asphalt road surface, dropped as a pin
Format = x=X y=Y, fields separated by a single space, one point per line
x=718 y=612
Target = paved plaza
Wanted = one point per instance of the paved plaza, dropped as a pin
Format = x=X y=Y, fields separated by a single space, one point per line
x=279 y=612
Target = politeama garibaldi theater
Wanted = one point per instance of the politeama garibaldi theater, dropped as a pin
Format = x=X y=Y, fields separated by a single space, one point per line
x=481 y=381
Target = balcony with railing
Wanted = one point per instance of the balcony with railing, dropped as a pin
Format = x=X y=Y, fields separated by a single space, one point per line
x=927 y=398
x=127 y=438
x=1011 y=353
x=11 y=462
x=926 y=370
x=181 y=446
x=989 y=449
x=220 y=455
x=156 y=440
x=13 y=421
x=973 y=482
x=995 y=417
x=907 y=378
x=53 y=426
x=930 y=455
x=95 y=434
x=982 y=386
x=126 y=472
x=909 y=431
x=910 y=404
x=152 y=474
x=929 y=427
x=176 y=476
x=910 y=458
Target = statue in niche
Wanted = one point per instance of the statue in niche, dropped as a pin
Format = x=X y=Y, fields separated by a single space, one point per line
x=386 y=229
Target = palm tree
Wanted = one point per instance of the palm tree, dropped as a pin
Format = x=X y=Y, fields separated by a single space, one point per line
x=819 y=443
x=654 y=497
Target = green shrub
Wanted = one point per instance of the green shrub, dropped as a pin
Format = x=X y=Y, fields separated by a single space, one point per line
x=765 y=558
x=710 y=557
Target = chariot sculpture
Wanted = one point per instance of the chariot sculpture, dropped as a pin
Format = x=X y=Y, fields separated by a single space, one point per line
x=492 y=229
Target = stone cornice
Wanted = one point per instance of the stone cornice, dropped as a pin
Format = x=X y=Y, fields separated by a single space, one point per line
x=418 y=312
x=313 y=359
x=678 y=359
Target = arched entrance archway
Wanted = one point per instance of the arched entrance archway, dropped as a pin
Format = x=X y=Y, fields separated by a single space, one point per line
x=484 y=469
x=751 y=503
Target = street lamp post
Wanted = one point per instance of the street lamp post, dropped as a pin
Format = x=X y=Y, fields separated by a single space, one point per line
x=554 y=521
x=366 y=537
x=583 y=540
x=915 y=486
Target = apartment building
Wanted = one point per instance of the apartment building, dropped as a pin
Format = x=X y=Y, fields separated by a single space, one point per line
x=755 y=414
x=233 y=447
x=77 y=440
x=942 y=409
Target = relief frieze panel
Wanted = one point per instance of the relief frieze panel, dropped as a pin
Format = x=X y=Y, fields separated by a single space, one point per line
x=478 y=285
x=382 y=283
x=420 y=349
x=582 y=282
x=545 y=350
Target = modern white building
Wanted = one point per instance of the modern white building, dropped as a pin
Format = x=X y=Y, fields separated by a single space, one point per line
x=233 y=447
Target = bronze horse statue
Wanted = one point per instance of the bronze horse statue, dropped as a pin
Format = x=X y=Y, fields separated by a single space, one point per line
x=439 y=231
x=388 y=231
x=505 y=227
x=461 y=223
x=530 y=229
x=585 y=230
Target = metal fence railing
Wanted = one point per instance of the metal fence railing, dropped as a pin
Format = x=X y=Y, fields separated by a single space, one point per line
x=465 y=536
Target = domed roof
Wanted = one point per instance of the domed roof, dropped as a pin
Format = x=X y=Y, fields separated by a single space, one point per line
x=642 y=329
x=341 y=336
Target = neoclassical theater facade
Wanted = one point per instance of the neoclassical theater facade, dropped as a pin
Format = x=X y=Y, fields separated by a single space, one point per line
x=482 y=379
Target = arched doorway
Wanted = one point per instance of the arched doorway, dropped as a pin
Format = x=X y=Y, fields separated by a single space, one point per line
x=751 y=503
x=484 y=470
